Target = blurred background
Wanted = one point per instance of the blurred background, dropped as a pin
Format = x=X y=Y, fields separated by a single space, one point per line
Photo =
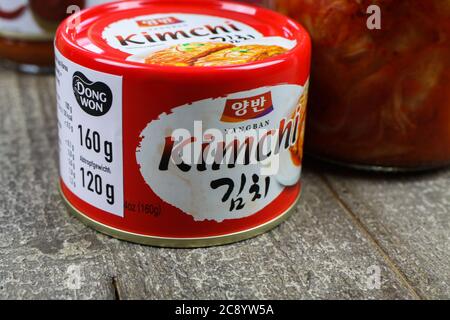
x=380 y=91
x=379 y=102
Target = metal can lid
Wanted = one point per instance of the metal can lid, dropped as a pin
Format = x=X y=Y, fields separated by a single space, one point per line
x=177 y=36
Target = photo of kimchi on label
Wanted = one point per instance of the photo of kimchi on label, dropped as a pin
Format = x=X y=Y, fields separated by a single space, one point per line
x=178 y=39
x=229 y=157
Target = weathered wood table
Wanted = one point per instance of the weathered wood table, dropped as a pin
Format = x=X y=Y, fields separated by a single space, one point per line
x=354 y=235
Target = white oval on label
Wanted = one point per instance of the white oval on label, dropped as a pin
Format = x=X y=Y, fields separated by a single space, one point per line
x=226 y=193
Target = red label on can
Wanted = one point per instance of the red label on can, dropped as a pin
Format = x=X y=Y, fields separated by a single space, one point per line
x=163 y=136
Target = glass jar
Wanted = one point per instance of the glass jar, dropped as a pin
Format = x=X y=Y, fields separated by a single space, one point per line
x=380 y=98
x=27 y=29
x=264 y=3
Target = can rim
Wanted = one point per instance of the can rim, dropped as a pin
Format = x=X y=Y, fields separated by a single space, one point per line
x=64 y=39
x=168 y=242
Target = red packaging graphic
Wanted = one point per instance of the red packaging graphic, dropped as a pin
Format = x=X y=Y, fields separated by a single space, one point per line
x=172 y=116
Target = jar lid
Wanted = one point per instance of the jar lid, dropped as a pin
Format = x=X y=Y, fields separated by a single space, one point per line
x=181 y=35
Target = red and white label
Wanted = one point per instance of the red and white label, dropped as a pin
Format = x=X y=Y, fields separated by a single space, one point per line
x=178 y=157
x=140 y=36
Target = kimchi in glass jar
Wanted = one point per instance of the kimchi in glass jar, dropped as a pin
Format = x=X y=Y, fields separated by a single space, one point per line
x=380 y=98
x=27 y=30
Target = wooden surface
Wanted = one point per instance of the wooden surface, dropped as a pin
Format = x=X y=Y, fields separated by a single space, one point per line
x=348 y=225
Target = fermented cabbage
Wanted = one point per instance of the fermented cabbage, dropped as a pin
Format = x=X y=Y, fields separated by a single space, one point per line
x=378 y=97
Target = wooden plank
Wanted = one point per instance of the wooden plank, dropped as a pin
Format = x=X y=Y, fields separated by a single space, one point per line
x=41 y=248
x=318 y=253
x=408 y=216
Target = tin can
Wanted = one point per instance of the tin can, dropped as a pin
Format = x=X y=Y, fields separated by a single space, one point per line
x=181 y=123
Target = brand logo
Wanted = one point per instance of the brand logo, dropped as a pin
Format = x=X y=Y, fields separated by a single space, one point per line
x=95 y=98
x=158 y=22
x=237 y=110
